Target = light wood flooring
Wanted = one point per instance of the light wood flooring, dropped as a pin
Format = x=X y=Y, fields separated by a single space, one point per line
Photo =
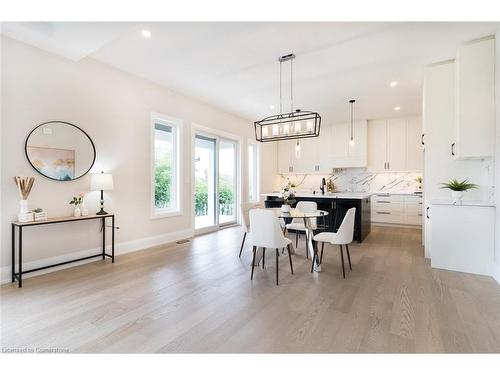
x=198 y=297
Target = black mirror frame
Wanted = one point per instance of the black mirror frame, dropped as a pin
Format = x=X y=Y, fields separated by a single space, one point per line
x=60 y=122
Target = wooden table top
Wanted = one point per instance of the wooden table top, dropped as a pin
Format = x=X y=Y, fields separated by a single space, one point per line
x=60 y=219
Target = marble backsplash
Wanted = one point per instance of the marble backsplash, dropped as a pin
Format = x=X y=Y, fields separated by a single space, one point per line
x=360 y=180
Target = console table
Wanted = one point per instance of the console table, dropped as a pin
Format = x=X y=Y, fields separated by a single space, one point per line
x=20 y=225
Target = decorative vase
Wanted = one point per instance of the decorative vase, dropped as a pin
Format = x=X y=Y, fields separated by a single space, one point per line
x=84 y=211
x=285 y=208
x=77 y=212
x=457 y=196
x=23 y=206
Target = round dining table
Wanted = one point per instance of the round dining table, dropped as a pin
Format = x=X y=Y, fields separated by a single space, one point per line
x=309 y=229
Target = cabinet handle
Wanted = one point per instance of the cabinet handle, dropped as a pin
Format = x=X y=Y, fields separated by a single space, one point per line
x=388 y=165
x=383 y=212
x=423 y=143
x=427 y=212
x=382 y=202
x=453 y=149
x=419 y=214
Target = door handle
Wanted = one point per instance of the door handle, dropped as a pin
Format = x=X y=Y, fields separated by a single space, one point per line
x=423 y=143
x=427 y=212
x=453 y=149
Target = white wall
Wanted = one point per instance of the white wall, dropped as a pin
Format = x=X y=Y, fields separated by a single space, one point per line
x=496 y=271
x=114 y=108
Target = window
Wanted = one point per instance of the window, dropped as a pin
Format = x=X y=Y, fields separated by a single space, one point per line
x=253 y=172
x=165 y=166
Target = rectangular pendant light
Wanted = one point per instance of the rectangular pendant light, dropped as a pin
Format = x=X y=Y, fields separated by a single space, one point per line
x=298 y=124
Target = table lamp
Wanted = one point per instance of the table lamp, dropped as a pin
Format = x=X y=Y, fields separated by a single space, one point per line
x=101 y=181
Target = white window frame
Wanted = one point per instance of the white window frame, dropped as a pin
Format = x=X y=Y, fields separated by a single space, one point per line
x=256 y=146
x=177 y=135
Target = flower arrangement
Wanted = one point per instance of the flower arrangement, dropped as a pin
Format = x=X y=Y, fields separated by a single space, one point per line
x=78 y=200
x=287 y=193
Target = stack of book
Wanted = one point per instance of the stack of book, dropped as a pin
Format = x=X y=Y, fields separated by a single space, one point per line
x=26 y=217
x=40 y=216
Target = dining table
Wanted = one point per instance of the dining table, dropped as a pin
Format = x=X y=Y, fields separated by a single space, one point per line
x=307 y=217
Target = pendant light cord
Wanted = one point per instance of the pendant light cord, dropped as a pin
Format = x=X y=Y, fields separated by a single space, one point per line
x=352 y=121
x=291 y=86
x=281 y=101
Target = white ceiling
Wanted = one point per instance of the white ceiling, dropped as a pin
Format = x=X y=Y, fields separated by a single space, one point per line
x=234 y=66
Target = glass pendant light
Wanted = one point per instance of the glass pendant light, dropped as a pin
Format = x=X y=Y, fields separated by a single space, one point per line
x=351 y=141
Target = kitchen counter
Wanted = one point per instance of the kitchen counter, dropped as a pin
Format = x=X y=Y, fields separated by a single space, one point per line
x=449 y=202
x=340 y=195
x=337 y=205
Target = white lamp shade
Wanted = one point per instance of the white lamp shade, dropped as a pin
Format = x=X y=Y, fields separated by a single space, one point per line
x=101 y=181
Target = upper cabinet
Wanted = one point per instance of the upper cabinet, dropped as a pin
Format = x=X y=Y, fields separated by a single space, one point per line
x=395 y=145
x=475 y=100
x=324 y=153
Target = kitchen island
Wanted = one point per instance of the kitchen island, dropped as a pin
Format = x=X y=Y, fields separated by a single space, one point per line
x=337 y=205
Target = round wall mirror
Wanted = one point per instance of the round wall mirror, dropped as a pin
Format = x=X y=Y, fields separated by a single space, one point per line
x=60 y=151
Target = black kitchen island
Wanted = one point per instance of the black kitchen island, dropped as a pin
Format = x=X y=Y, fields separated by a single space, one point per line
x=337 y=205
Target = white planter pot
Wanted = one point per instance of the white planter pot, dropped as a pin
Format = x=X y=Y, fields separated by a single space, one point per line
x=285 y=208
x=457 y=196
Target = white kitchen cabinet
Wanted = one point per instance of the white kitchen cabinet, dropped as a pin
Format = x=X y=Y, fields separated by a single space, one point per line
x=414 y=150
x=286 y=156
x=377 y=145
x=462 y=237
x=396 y=209
x=330 y=150
x=395 y=145
x=475 y=100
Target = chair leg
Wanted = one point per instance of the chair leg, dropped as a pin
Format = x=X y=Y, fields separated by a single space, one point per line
x=312 y=263
x=348 y=256
x=284 y=231
x=290 y=258
x=277 y=255
x=253 y=262
x=342 y=258
x=242 y=243
x=321 y=257
x=264 y=258
x=296 y=238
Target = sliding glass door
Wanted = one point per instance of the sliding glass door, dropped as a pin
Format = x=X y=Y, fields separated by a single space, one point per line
x=216 y=181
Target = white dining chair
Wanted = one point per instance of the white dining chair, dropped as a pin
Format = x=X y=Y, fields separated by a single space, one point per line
x=298 y=225
x=343 y=236
x=265 y=232
x=245 y=209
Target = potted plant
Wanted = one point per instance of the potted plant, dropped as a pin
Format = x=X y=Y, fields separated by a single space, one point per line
x=457 y=188
x=288 y=196
x=77 y=201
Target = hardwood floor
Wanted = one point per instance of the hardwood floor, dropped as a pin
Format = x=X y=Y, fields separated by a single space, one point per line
x=198 y=297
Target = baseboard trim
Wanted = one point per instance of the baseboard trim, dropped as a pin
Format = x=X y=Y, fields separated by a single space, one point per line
x=496 y=272
x=120 y=249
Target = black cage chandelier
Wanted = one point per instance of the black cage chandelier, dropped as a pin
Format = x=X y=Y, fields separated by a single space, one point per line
x=293 y=125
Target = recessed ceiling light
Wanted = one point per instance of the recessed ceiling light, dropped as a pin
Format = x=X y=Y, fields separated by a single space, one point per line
x=146 y=33
x=271 y=106
x=397 y=108
x=393 y=84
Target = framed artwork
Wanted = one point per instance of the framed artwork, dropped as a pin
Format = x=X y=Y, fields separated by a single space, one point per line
x=56 y=163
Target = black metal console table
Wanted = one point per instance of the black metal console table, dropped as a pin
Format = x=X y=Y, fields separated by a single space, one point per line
x=20 y=225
